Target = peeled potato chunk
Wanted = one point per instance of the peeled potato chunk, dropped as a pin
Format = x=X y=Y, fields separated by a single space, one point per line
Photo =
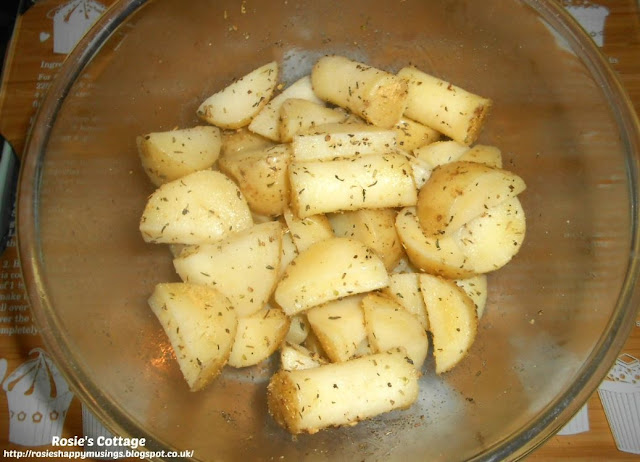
x=485 y=244
x=267 y=121
x=458 y=192
x=371 y=181
x=242 y=140
x=261 y=175
x=491 y=240
x=296 y=357
x=404 y=288
x=258 y=336
x=374 y=228
x=307 y=231
x=201 y=325
x=389 y=325
x=436 y=255
x=202 y=207
x=244 y=266
x=440 y=153
x=444 y=152
x=340 y=141
x=328 y=270
x=299 y=115
x=239 y=102
x=339 y=326
x=412 y=135
x=451 y=110
x=453 y=320
x=166 y=156
x=476 y=288
x=483 y=154
x=306 y=401
x=375 y=95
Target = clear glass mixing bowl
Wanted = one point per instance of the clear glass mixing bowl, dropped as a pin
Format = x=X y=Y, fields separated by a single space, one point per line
x=557 y=316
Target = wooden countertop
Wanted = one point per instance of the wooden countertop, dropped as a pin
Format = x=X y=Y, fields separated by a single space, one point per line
x=30 y=66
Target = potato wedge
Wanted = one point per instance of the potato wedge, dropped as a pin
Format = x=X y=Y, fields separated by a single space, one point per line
x=328 y=270
x=371 y=181
x=483 y=154
x=490 y=241
x=201 y=325
x=476 y=288
x=340 y=141
x=389 y=325
x=306 y=401
x=339 y=326
x=258 y=337
x=453 y=320
x=244 y=266
x=296 y=357
x=436 y=255
x=238 y=103
x=404 y=288
x=299 y=115
x=375 y=95
x=449 y=109
x=485 y=244
x=440 y=153
x=307 y=231
x=411 y=135
x=199 y=208
x=444 y=152
x=242 y=140
x=261 y=175
x=166 y=156
x=373 y=227
x=458 y=192
x=267 y=122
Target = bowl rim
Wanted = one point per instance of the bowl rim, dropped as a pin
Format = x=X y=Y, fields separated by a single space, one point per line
x=116 y=420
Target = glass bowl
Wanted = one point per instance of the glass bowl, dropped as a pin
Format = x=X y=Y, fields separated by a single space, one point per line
x=557 y=315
